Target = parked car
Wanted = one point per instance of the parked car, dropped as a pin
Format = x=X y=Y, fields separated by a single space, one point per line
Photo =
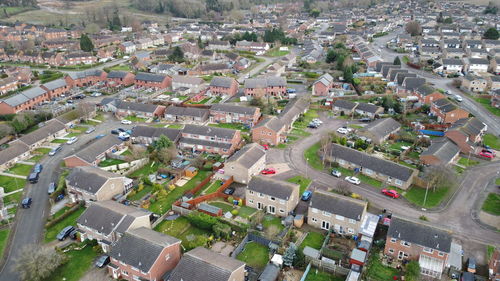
x=26 y=203
x=33 y=177
x=265 y=146
x=458 y=98
x=471 y=265
x=390 y=192
x=486 y=154
x=336 y=173
x=121 y=130
x=102 y=261
x=72 y=140
x=488 y=151
x=55 y=150
x=342 y=131
x=306 y=195
x=100 y=136
x=52 y=187
x=268 y=171
x=38 y=168
x=96 y=94
x=229 y=191
x=353 y=180
x=313 y=125
x=73 y=235
x=90 y=130
x=126 y=122
x=65 y=232
x=365 y=119
x=115 y=132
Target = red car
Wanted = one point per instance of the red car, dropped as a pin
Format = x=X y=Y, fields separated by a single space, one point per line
x=487 y=154
x=390 y=192
x=268 y=171
x=265 y=146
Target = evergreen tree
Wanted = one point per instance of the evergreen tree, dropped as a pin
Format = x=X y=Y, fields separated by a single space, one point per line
x=177 y=55
x=115 y=23
x=397 y=61
x=348 y=74
x=86 y=44
x=289 y=255
x=491 y=33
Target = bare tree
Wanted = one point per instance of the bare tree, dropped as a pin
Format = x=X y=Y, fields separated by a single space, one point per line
x=166 y=155
x=36 y=263
x=271 y=231
x=5 y=130
x=440 y=176
x=325 y=143
x=343 y=187
x=413 y=28
x=198 y=162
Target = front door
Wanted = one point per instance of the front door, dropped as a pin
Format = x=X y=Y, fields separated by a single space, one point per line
x=325 y=225
x=271 y=210
x=260 y=206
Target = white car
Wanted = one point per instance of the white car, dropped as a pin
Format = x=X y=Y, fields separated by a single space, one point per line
x=316 y=120
x=123 y=135
x=458 y=98
x=342 y=131
x=72 y=140
x=126 y=122
x=353 y=180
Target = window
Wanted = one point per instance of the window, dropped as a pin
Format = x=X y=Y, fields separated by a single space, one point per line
x=314 y=210
x=340 y=218
x=325 y=213
x=282 y=211
x=272 y=198
x=314 y=219
x=391 y=251
x=261 y=195
x=368 y=171
x=441 y=254
x=350 y=230
x=393 y=240
x=251 y=192
x=283 y=201
x=352 y=221
x=399 y=182
x=406 y=244
x=124 y=272
x=250 y=200
x=428 y=250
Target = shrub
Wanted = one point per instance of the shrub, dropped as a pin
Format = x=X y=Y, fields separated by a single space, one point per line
x=234 y=212
x=201 y=220
x=230 y=199
x=221 y=230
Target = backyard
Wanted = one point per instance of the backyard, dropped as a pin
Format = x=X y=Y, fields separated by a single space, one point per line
x=79 y=262
x=140 y=194
x=224 y=206
x=180 y=228
x=272 y=221
x=52 y=231
x=246 y=212
x=148 y=169
x=110 y=162
x=254 y=255
x=316 y=275
x=302 y=181
x=211 y=188
x=416 y=196
x=376 y=271
x=135 y=119
x=492 y=204
x=313 y=240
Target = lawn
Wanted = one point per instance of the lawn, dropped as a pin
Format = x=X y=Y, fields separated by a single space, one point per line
x=20 y=169
x=466 y=162
x=176 y=126
x=369 y=180
x=302 y=181
x=416 y=196
x=312 y=156
x=376 y=271
x=51 y=232
x=36 y=158
x=180 y=228
x=398 y=145
x=79 y=262
x=303 y=121
x=203 y=101
x=254 y=255
x=246 y=212
x=121 y=67
x=59 y=141
x=135 y=119
x=355 y=126
x=81 y=129
x=213 y=187
x=146 y=170
x=126 y=153
x=497 y=181
x=42 y=150
x=276 y=53
x=492 y=204
x=487 y=104
x=492 y=141
x=315 y=275
x=13 y=198
x=110 y=162
x=224 y=206
x=313 y=240
x=138 y=195
x=299 y=132
x=233 y=126
x=10 y=184
x=74 y=134
x=272 y=220
x=4 y=236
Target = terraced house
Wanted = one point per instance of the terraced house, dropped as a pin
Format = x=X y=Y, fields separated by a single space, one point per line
x=223 y=86
x=94 y=153
x=25 y=100
x=210 y=139
x=263 y=87
x=273 y=196
x=228 y=113
x=152 y=81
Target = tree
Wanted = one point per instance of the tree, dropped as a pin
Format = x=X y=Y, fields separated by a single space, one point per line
x=491 y=9
x=491 y=33
x=412 y=271
x=161 y=143
x=439 y=176
x=448 y=20
x=331 y=56
x=397 y=61
x=36 y=263
x=289 y=254
x=177 y=55
x=300 y=259
x=198 y=162
x=413 y=28
x=343 y=187
x=115 y=23
x=213 y=5
x=166 y=155
x=86 y=44
x=314 y=13
x=348 y=75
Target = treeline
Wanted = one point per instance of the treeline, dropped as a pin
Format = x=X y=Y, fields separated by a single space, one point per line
x=21 y=122
x=18 y=3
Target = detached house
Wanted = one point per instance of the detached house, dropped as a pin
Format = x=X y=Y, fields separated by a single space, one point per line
x=228 y=113
x=447 y=112
x=223 y=86
x=153 y=81
x=343 y=214
x=210 y=139
x=344 y=107
x=322 y=86
x=17 y=151
x=441 y=152
x=144 y=254
x=466 y=133
x=273 y=196
x=246 y=163
x=429 y=246
x=94 y=153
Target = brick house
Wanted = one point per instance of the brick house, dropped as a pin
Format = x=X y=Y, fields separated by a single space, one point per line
x=275 y=197
x=245 y=163
x=322 y=86
x=223 y=86
x=51 y=130
x=146 y=135
x=56 y=88
x=427 y=94
x=227 y=113
x=94 y=153
x=210 y=139
x=343 y=214
x=85 y=78
x=186 y=114
x=466 y=132
x=55 y=33
x=79 y=58
x=120 y=78
x=144 y=254
x=263 y=87
x=407 y=240
x=154 y=81
x=474 y=83
x=442 y=151
x=343 y=107
x=8 y=84
x=89 y=183
x=25 y=100
x=271 y=130
x=447 y=112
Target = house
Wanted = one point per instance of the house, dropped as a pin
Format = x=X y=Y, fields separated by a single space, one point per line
x=410 y=84
x=263 y=87
x=466 y=133
x=147 y=135
x=343 y=214
x=210 y=139
x=204 y=264
x=380 y=130
x=343 y=107
x=494 y=82
x=152 y=81
x=270 y=130
x=228 y=113
x=368 y=109
x=50 y=131
x=451 y=44
x=107 y=221
x=8 y=84
x=442 y=151
x=474 y=83
x=426 y=94
x=322 y=86
x=94 y=153
x=193 y=115
x=219 y=45
x=144 y=254
x=407 y=240
x=146 y=110
x=56 y=88
x=223 y=86
x=120 y=78
x=478 y=65
x=89 y=183
x=25 y=100
x=128 y=47
x=380 y=169
x=17 y=151
x=85 y=78
x=495 y=65
x=447 y=112
x=451 y=66
x=194 y=84
x=246 y=163
x=430 y=53
x=275 y=197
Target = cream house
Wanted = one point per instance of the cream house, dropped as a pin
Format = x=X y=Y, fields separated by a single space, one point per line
x=246 y=163
x=274 y=196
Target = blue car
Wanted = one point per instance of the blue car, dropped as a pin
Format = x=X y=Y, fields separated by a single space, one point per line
x=306 y=195
x=99 y=136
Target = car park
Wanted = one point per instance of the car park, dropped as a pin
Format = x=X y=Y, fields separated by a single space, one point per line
x=52 y=188
x=353 y=180
x=55 y=150
x=102 y=261
x=65 y=233
x=90 y=130
x=72 y=140
x=126 y=122
x=306 y=195
x=268 y=171
x=390 y=192
x=336 y=173
x=26 y=203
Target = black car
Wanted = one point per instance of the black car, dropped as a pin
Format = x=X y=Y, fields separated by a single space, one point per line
x=114 y=132
x=33 y=178
x=65 y=233
x=121 y=130
x=229 y=191
x=102 y=261
x=26 y=203
x=365 y=120
x=72 y=235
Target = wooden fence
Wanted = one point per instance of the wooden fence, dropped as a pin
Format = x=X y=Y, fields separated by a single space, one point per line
x=200 y=185
x=217 y=194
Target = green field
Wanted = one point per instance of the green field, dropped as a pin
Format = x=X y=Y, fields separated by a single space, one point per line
x=254 y=255
x=312 y=157
x=313 y=240
x=416 y=196
x=51 y=232
x=492 y=204
x=302 y=181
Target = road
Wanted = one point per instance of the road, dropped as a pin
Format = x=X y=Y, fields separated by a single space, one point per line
x=257 y=69
x=468 y=104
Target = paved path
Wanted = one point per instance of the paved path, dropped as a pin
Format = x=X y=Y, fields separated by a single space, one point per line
x=13 y=175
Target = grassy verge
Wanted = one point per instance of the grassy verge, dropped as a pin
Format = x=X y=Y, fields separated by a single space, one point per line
x=466 y=162
x=492 y=141
x=79 y=262
x=4 y=236
x=312 y=157
x=313 y=240
x=492 y=204
x=255 y=255
x=302 y=181
x=20 y=169
x=51 y=232
x=486 y=103
x=416 y=196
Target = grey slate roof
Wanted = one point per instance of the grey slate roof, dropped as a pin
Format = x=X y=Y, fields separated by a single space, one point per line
x=271 y=122
x=471 y=126
x=152 y=132
x=270 y=81
x=277 y=188
x=368 y=107
x=375 y=164
x=24 y=96
x=248 y=155
x=136 y=106
x=425 y=90
x=15 y=149
x=444 y=105
x=400 y=77
x=91 y=151
x=223 y=82
x=56 y=84
x=270 y=273
x=141 y=247
x=51 y=127
x=420 y=234
x=338 y=205
x=149 y=77
x=443 y=149
x=203 y=264
x=187 y=111
x=88 y=178
x=190 y=141
x=412 y=83
x=345 y=104
x=234 y=108
x=117 y=74
x=382 y=127
x=84 y=74
x=453 y=62
x=209 y=131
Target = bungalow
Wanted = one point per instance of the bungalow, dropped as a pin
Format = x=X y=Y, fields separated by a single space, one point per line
x=120 y=78
x=144 y=254
x=474 y=83
x=343 y=214
x=246 y=163
x=89 y=183
x=368 y=109
x=146 y=110
x=147 y=135
x=223 y=86
x=201 y=263
x=17 y=151
x=153 y=81
x=380 y=130
x=194 y=84
x=478 y=65
x=426 y=94
x=275 y=197
x=56 y=88
x=383 y=170
x=107 y=221
x=447 y=112
x=8 y=84
x=228 y=113
x=94 y=153
x=51 y=130
x=322 y=86
x=192 y=115
x=210 y=139
x=441 y=152
x=466 y=132
x=344 y=107
x=263 y=87
x=85 y=78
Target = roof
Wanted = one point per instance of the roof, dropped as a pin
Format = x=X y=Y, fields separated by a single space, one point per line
x=367 y=161
x=444 y=105
x=185 y=79
x=425 y=90
x=15 y=149
x=418 y=233
x=338 y=204
x=209 y=208
x=345 y=104
x=153 y=132
x=84 y=74
x=187 y=111
x=453 y=62
x=248 y=155
x=50 y=128
x=91 y=151
x=204 y=264
x=471 y=126
x=234 y=108
x=223 y=82
x=412 y=83
x=270 y=81
x=149 y=77
x=141 y=247
x=443 y=149
x=117 y=74
x=209 y=131
x=24 y=96
x=368 y=107
x=59 y=83
x=382 y=127
x=88 y=178
x=271 y=122
x=270 y=273
x=277 y=188
x=136 y=106
x=193 y=141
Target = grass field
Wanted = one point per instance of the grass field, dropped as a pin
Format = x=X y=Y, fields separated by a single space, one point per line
x=416 y=196
x=51 y=232
x=254 y=255
x=10 y=184
x=312 y=156
x=4 y=236
x=466 y=162
x=79 y=261
x=492 y=141
x=313 y=240
x=302 y=181
x=492 y=204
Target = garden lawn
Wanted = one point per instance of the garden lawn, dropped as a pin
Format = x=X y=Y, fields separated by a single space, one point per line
x=302 y=181
x=492 y=204
x=4 y=236
x=492 y=141
x=376 y=271
x=51 y=232
x=79 y=262
x=276 y=53
x=42 y=150
x=416 y=196
x=126 y=153
x=313 y=240
x=233 y=126
x=13 y=198
x=70 y=135
x=110 y=162
x=59 y=141
x=272 y=220
x=467 y=162
x=36 y=158
x=299 y=132
x=180 y=228
x=369 y=180
x=321 y=276
x=254 y=255
x=306 y=119
x=355 y=126
x=20 y=169
x=312 y=157
x=10 y=183
x=81 y=129
x=224 y=206
x=398 y=145
x=497 y=181
x=135 y=119
x=138 y=195
x=246 y=212
x=213 y=187
x=176 y=126
x=486 y=103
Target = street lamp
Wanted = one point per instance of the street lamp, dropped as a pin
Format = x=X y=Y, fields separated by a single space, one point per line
x=426 y=191
x=307 y=164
